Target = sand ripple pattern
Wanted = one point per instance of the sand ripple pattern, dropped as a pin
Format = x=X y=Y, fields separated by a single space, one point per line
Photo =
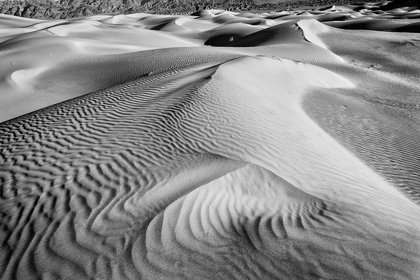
x=218 y=145
x=172 y=177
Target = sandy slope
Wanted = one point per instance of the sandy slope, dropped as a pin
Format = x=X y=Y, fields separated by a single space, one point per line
x=214 y=146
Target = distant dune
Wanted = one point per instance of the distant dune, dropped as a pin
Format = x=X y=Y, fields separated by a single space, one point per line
x=215 y=145
x=64 y=9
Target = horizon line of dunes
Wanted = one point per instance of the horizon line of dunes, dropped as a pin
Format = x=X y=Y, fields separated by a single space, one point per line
x=62 y=9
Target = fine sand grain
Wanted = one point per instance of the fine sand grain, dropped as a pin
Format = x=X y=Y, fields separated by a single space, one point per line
x=218 y=145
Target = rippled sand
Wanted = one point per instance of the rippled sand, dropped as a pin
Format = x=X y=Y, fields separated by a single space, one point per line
x=217 y=145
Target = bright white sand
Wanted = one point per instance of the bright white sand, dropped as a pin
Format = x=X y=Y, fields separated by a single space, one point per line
x=215 y=146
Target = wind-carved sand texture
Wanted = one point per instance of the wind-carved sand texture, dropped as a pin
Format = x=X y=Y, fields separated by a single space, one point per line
x=217 y=145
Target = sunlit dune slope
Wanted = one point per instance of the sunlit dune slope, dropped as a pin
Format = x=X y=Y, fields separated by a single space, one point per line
x=217 y=145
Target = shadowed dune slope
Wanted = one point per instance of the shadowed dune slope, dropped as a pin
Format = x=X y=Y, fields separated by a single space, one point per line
x=217 y=145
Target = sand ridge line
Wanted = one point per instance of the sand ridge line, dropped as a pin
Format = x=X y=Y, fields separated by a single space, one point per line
x=198 y=162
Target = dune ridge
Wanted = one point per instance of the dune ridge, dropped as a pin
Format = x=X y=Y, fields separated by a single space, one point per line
x=210 y=146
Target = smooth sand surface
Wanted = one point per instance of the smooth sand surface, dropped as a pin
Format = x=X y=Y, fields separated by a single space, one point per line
x=217 y=145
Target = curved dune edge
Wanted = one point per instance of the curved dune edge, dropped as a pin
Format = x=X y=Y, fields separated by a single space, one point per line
x=180 y=175
x=217 y=145
x=311 y=28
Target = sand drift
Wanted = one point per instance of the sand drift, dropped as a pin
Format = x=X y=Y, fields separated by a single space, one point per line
x=217 y=145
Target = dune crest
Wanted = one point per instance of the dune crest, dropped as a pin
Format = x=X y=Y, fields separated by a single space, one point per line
x=211 y=146
x=311 y=28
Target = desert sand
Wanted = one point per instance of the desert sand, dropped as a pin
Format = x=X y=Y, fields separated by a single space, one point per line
x=216 y=145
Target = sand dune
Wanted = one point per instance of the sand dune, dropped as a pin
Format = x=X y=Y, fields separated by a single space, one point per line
x=218 y=145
